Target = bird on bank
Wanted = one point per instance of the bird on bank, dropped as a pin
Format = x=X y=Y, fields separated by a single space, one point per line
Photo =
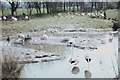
x=26 y=18
x=14 y=18
x=8 y=39
x=4 y=18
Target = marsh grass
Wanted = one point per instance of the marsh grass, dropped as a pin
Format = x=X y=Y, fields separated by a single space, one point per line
x=11 y=69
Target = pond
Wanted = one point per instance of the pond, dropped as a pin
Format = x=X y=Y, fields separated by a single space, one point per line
x=103 y=62
x=106 y=53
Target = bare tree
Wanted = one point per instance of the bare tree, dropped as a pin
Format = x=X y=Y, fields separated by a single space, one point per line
x=38 y=7
x=14 y=5
x=29 y=7
x=1 y=7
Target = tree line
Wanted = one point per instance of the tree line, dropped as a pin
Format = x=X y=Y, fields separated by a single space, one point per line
x=57 y=7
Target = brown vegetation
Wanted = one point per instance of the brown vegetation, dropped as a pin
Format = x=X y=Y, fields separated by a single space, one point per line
x=11 y=69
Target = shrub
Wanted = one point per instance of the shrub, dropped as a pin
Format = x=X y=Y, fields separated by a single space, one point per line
x=11 y=68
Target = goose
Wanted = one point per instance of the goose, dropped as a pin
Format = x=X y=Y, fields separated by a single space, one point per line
x=82 y=14
x=21 y=37
x=75 y=60
x=26 y=18
x=4 y=18
x=101 y=16
x=14 y=18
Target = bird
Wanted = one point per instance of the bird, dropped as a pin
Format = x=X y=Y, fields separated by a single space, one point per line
x=14 y=18
x=28 y=37
x=109 y=18
x=82 y=14
x=21 y=37
x=8 y=39
x=74 y=60
x=4 y=18
x=59 y=14
x=26 y=18
x=0 y=18
x=87 y=58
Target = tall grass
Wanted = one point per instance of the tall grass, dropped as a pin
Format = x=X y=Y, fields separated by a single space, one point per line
x=11 y=68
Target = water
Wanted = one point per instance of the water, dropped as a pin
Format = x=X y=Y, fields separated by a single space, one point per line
x=62 y=68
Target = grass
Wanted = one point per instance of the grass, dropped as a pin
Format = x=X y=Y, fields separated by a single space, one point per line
x=12 y=27
x=43 y=22
x=11 y=68
x=112 y=14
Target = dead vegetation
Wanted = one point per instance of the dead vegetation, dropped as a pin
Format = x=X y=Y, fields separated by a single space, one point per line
x=11 y=69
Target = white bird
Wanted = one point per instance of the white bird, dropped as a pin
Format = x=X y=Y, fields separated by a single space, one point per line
x=26 y=18
x=21 y=36
x=72 y=16
x=88 y=14
x=92 y=15
x=76 y=14
x=59 y=14
x=4 y=18
x=0 y=18
x=82 y=14
x=101 y=16
x=13 y=18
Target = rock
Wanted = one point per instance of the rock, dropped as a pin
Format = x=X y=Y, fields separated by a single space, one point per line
x=103 y=42
x=45 y=56
x=87 y=74
x=65 y=40
x=44 y=37
x=75 y=70
x=38 y=56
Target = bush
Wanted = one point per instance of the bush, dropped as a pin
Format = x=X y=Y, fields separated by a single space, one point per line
x=11 y=68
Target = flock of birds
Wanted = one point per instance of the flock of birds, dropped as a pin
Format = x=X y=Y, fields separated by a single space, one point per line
x=4 y=18
x=94 y=15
